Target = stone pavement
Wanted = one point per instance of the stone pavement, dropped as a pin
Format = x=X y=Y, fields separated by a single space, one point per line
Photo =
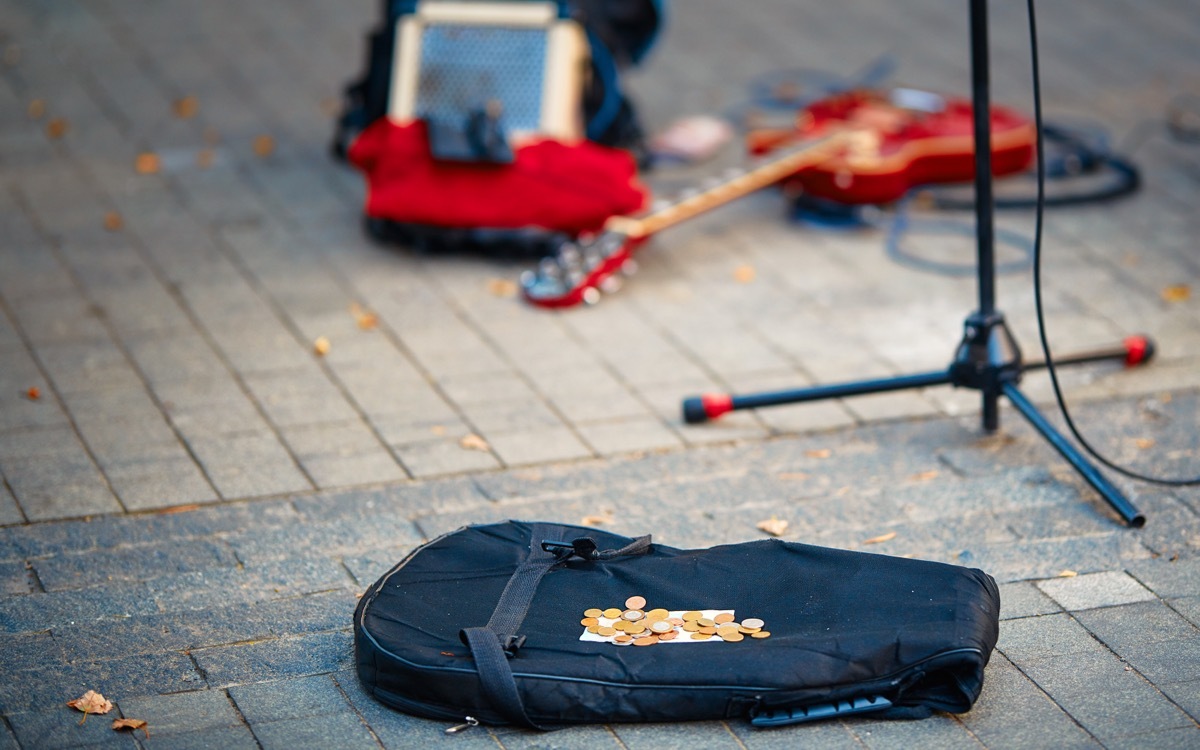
x=192 y=498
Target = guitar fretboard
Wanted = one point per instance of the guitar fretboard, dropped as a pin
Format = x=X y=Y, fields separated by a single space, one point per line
x=756 y=178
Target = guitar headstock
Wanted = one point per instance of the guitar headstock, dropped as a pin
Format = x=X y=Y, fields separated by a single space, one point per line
x=580 y=271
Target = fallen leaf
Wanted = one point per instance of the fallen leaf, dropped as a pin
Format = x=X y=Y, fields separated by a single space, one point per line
x=186 y=108
x=36 y=109
x=793 y=475
x=744 y=274
x=1067 y=574
x=473 y=442
x=113 y=221
x=130 y=724
x=821 y=453
x=773 y=526
x=924 y=476
x=593 y=521
x=321 y=346
x=91 y=702
x=264 y=146
x=205 y=157
x=177 y=509
x=56 y=128
x=34 y=393
x=1176 y=293
x=502 y=287
x=881 y=538
x=146 y=163
x=365 y=319
x=1144 y=443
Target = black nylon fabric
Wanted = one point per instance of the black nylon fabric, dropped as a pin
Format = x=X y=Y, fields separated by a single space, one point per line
x=844 y=624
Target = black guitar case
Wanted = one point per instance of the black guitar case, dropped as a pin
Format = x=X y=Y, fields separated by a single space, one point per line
x=491 y=622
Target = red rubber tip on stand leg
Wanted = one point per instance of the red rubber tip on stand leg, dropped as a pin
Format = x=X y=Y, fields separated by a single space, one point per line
x=1138 y=349
x=706 y=407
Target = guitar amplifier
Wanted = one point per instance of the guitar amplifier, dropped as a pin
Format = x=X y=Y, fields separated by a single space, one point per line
x=517 y=65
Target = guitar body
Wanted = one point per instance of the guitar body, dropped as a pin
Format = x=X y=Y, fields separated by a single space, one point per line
x=906 y=139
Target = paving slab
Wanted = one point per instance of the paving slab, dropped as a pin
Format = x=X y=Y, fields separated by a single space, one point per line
x=195 y=499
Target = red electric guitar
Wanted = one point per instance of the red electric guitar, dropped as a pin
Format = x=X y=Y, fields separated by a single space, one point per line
x=919 y=138
x=857 y=147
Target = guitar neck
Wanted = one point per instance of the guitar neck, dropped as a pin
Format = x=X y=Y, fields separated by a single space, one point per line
x=757 y=178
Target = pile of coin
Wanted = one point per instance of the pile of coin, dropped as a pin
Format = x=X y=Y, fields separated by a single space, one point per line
x=635 y=625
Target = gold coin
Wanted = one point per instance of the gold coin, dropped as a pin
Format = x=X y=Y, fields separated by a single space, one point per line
x=594 y=629
x=657 y=614
x=753 y=622
x=691 y=626
x=635 y=602
x=593 y=612
x=761 y=634
x=733 y=637
x=648 y=640
x=612 y=613
x=623 y=643
x=633 y=614
x=620 y=625
x=635 y=628
x=708 y=629
x=748 y=631
x=587 y=622
x=606 y=631
x=676 y=621
x=723 y=629
x=693 y=615
x=705 y=622
x=701 y=636
x=723 y=618
x=670 y=635
x=623 y=638
x=661 y=626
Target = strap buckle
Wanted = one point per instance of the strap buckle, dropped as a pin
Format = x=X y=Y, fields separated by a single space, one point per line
x=584 y=547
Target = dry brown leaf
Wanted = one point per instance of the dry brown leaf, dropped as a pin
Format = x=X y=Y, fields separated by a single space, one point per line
x=473 y=442
x=205 y=158
x=593 y=521
x=91 y=702
x=130 y=724
x=264 y=146
x=502 y=287
x=1176 y=293
x=34 y=393
x=177 y=509
x=793 y=476
x=924 y=476
x=773 y=526
x=1067 y=574
x=186 y=108
x=881 y=538
x=821 y=453
x=321 y=346
x=146 y=163
x=113 y=221
x=744 y=274
x=36 y=109
x=56 y=128
x=365 y=319
x=1144 y=443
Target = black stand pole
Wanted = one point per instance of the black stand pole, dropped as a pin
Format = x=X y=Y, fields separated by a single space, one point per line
x=987 y=358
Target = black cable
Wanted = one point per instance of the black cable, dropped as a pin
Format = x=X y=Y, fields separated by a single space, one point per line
x=1037 y=277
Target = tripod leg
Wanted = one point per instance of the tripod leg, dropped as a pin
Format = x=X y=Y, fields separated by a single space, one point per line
x=1133 y=351
x=1099 y=482
x=699 y=409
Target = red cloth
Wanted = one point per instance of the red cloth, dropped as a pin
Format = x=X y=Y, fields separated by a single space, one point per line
x=568 y=188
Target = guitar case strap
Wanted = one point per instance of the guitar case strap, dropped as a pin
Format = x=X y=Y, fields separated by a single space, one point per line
x=494 y=644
